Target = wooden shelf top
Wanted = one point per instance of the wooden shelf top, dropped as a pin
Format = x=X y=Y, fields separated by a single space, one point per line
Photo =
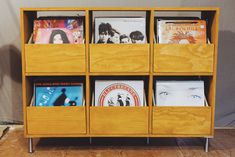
x=54 y=74
x=118 y=74
x=183 y=74
x=122 y=9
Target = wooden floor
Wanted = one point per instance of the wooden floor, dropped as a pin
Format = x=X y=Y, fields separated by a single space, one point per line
x=13 y=144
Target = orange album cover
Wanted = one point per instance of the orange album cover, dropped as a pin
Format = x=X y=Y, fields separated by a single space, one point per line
x=181 y=31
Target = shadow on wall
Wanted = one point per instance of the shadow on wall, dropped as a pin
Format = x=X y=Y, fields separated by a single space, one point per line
x=10 y=63
x=10 y=84
x=225 y=95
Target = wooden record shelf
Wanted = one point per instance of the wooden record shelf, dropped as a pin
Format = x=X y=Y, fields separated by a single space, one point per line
x=89 y=60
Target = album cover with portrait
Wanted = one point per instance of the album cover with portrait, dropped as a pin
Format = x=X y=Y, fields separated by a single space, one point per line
x=58 y=94
x=181 y=31
x=117 y=30
x=180 y=93
x=119 y=93
x=58 y=31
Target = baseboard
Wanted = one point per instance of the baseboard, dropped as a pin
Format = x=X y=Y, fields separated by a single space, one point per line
x=224 y=128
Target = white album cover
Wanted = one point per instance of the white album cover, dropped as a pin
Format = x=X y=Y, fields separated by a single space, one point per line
x=120 y=30
x=180 y=93
x=119 y=93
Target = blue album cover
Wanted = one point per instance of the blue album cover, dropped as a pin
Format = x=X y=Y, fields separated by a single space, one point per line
x=58 y=94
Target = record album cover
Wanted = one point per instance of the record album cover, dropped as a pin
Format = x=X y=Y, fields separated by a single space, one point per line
x=58 y=93
x=58 y=31
x=120 y=30
x=181 y=31
x=119 y=93
x=180 y=93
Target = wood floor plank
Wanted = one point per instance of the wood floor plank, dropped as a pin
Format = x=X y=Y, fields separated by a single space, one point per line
x=14 y=144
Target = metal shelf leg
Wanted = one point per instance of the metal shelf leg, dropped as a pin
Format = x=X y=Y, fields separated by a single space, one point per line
x=30 y=145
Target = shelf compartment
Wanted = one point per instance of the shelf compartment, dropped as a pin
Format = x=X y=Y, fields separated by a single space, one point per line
x=56 y=120
x=182 y=121
x=119 y=58
x=54 y=58
x=119 y=120
x=188 y=58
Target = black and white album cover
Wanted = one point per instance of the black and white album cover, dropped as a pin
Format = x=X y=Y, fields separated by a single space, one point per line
x=180 y=93
x=120 y=30
x=119 y=93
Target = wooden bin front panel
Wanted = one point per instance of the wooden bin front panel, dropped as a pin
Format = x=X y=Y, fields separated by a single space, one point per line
x=119 y=57
x=183 y=57
x=55 y=57
x=182 y=121
x=119 y=120
x=56 y=120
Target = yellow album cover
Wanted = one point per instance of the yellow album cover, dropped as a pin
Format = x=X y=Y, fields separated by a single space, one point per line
x=181 y=31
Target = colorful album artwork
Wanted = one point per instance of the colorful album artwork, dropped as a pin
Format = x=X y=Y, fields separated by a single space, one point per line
x=58 y=94
x=58 y=31
x=181 y=31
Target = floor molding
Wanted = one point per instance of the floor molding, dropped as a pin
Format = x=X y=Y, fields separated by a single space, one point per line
x=224 y=128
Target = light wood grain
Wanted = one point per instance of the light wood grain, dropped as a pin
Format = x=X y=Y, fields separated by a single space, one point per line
x=122 y=9
x=215 y=40
x=55 y=57
x=150 y=83
x=119 y=120
x=87 y=23
x=119 y=58
x=56 y=120
x=190 y=9
x=26 y=23
x=88 y=9
x=55 y=74
x=113 y=60
x=213 y=23
x=183 y=74
x=118 y=74
x=182 y=121
x=23 y=35
x=183 y=58
x=212 y=90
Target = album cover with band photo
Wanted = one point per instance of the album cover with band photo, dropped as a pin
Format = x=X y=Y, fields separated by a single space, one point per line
x=119 y=93
x=116 y=30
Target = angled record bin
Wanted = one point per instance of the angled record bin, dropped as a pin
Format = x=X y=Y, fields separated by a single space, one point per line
x=119 y=57
x=50 y=58
x=119 y=121
x=56 y=121
x=191 y=58
x=182 y=121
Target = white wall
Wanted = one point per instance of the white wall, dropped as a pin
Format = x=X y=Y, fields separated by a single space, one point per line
x=10 y=55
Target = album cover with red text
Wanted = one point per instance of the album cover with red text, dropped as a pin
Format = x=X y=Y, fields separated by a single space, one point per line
x=181 y=31
x=119 y=93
